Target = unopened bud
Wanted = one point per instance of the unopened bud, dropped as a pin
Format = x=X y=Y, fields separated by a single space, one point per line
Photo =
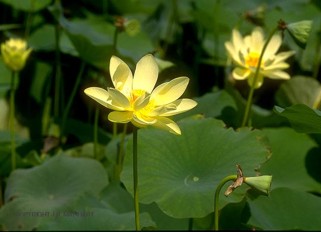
x=15 y=53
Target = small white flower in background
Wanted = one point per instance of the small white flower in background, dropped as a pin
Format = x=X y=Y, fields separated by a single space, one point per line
x=246 y=53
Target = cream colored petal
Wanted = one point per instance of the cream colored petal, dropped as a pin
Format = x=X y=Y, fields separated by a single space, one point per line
x=102 y=96
x=141 y=102
x=241 y=73
x=118 y=99
x=283 y=56
x=167 y=124
x=169 y=91
x=143 y=119
x=272 y=47
x=276 y=74
x=237 y=39
x=123 y=79
x=146 y=74
x=281 y=65
x=257 y=40
x=114 y=63
x=120 y=116
x=177 y=107
x=233 y=53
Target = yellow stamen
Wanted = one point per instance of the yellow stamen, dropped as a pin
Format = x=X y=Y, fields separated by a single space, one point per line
x=136 y=93
x=252 y=59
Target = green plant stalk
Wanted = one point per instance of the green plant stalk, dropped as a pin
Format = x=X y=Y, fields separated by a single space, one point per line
x=29 y=20
x=217 y=196
x=72 y=95
x=96 y=119
x=58 y=72
x=135 y=175
x=250 y=97
x=11 y=121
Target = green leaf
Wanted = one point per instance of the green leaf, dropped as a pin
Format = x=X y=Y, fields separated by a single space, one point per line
x=298 y=90
x=309 y=56
x=92 y=40
x=294 y=160
x=181 y=173
x=50 y=187
x=300 y=31
x=301 y=117
x=134 y=47
x=96 y=219
x=48 y=184
x=43 y=38
x=27 y=5
x=286 y=209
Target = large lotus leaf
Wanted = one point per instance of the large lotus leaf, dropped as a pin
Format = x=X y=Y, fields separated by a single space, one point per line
x=117 y=198
x=181 y=173
x=294 y=161
x=92 y=38
x=44 y=39
x=97 y=219
x=302 y=118
x=134 y=47
x=286 y=209
x=90 y=213
x=27 y=5
x=310 y=53
x=56 y=182
x=298 y=90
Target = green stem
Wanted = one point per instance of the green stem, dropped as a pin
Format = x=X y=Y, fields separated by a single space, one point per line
x=96 y=119
x=135 y=174
x=12 y=121
x=217 y=196
x=250 y=97
x=114 y=130
x=72 y=96
x=58 y=72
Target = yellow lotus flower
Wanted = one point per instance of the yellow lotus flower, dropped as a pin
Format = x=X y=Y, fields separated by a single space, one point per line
x=134 y=100
x=15 y=53
x=246 y=53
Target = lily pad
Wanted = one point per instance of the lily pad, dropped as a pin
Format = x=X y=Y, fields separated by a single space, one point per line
x=286 y=209
x=181 y=173
x=28 y=5
x=301 y=117
x=50 y=187
x=295 y=156
x=298 y=90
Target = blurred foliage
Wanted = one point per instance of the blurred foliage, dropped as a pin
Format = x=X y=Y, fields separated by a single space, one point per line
x=64 y=177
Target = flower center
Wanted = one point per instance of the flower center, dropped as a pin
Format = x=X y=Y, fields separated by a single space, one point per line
x=136 y=93
x=252 y=59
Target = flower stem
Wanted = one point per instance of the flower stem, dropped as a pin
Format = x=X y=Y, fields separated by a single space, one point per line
x=135 y=174
x=250 y=97
x=96 y=119
x=12 y=121
x=217 y=196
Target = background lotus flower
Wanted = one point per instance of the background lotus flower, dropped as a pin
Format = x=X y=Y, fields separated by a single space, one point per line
x=246 y=53
x=134 y=100
x=15 y=53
